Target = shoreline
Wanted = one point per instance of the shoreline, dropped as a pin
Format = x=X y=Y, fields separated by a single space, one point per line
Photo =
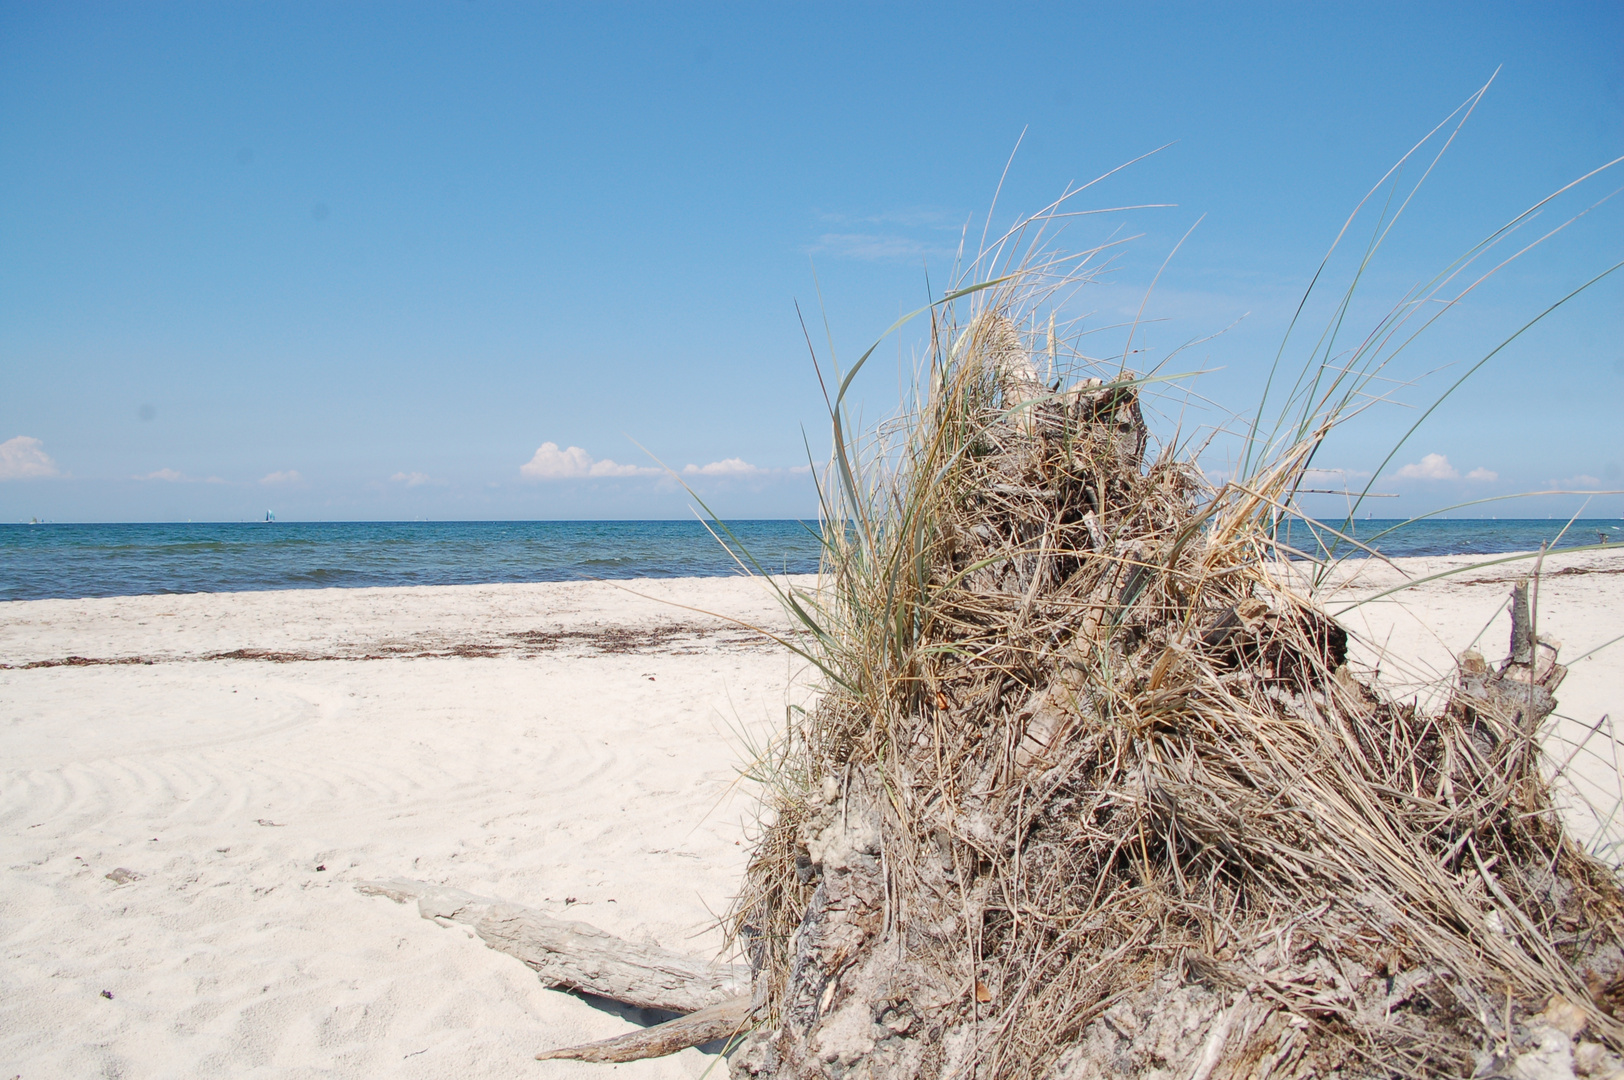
x=163 y=559
x=385 y=622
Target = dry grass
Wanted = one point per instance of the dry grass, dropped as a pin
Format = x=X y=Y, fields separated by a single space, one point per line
x=1107 y=744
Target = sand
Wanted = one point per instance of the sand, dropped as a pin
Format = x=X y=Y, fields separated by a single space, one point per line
x=568 y=746
x=245 y=758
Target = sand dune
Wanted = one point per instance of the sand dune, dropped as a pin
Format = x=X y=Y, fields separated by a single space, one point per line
x=237 y=761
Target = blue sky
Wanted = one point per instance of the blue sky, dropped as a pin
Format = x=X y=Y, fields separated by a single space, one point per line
x=467 y=260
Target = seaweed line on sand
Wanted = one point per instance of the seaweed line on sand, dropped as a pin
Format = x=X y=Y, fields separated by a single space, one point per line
x=668 y=638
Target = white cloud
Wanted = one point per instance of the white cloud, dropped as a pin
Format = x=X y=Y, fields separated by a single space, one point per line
x=551 y=463
x=414 y=479
x=1315 y=475
x=24 y=458
x=877 y=248
x=1484 y=475
x=1431 y=467
x=291 y=476
x=1583 y=480
x=913 y=218
x=726 y=467
x=172 y=476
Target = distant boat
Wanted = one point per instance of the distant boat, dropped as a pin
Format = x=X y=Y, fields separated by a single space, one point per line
x=269 y=517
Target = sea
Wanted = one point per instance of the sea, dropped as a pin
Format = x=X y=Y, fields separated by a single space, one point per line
x=51 y=560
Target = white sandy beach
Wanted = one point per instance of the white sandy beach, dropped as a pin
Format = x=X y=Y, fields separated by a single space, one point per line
x=565 y=746
x=544 y=765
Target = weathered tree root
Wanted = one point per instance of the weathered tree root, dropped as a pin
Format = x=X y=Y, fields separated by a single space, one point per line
x=576 y=956
x=1093 y=790
x=723 y=1021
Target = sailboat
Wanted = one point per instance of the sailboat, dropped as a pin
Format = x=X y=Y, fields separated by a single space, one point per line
x=269 y=517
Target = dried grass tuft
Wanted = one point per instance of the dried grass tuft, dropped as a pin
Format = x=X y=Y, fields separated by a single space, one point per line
x=1087 y=747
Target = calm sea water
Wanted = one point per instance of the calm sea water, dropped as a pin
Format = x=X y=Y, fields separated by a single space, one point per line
x=1462 y=536
x=38 y=561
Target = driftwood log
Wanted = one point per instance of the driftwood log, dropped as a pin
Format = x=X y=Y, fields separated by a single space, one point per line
x=1518 y=694
x=724 y=1021
x=577 y=956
